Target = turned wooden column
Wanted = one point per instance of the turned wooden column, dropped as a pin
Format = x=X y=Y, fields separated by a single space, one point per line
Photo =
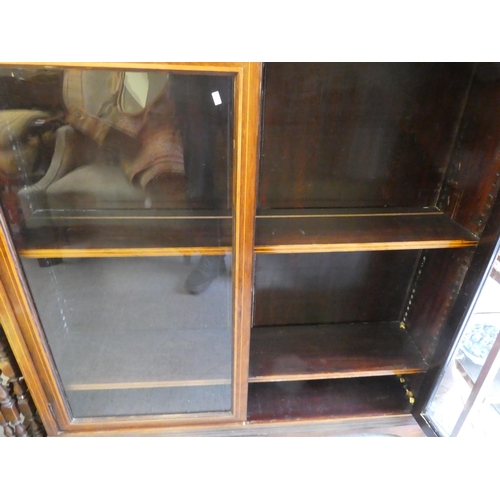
x=18 y=415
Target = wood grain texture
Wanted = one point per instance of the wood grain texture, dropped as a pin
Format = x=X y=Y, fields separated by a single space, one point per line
x=397 y=425
x=69 y=253
x=129 y=237
x=459 y=310
x=359 y=232
x=436 y=286
x=16 y=384
x=10 y=413
x=326 y=399
x=205 y=67
x=246 y=112
x=332 y=351
x=358 y=134
x=322 y=288
x=473 y=178
x=24 y=333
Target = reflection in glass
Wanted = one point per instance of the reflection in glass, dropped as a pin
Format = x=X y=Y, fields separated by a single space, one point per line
x=117 y=324
x=124 y=140
x=467 y=401
x=98 y=161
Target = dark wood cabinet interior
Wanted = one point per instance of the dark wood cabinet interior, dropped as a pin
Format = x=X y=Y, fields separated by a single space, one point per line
x=373 y=185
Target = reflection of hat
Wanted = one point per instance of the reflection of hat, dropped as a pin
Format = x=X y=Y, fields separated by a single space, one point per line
x=96 y=99
x=140 y=90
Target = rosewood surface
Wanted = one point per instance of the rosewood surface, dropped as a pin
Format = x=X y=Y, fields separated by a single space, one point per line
x=332 y=351
x=331 y=287
x=327 y=399
x=129 y=236
x=358 y=134
x=358 y=232
x=473 y=177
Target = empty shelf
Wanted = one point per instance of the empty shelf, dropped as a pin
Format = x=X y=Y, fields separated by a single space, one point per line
x=306 y=232
x=101 y=236
x=332 y=351
x=327 y=399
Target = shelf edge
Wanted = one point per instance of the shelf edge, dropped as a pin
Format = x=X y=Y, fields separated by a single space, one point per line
x=358 y=247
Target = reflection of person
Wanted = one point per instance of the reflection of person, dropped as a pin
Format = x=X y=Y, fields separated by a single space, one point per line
x=201 y=107
x=131 y=113
x=171 y=123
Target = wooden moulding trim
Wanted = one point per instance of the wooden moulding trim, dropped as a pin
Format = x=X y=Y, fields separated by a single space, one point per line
x=111 y=386
x=24 y=331
x=229 y=67
x=143 y=423
x=246 y=139
x=19 y=346
x=362 y=424
x=291 y=213
x=25 y=336
x=322 y=376
x=359 y=247
x=52 y=253
x=105 y=218
x=324 y=420
x=246 y=119
x=24 y=361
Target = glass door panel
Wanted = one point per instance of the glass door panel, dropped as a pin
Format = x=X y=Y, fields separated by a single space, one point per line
x=126 y=330
x=467 y=399
x=117 y=188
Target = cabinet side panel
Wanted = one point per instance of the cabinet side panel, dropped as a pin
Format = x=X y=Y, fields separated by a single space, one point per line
x=477 y=272
x=331 y=288
x=473 y=178
x=358 y=135
x=437 y=282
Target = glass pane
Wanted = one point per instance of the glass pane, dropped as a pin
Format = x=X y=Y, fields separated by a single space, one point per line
x=118 y=324
x=467 y=400
x=117 y=190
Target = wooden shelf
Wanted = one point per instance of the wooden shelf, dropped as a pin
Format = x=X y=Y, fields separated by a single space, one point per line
x=151 y=401
x=129 y=359
x=278 y=232
x=346 y=231
x=127 y=236
x=327 y=399
x=332 y=351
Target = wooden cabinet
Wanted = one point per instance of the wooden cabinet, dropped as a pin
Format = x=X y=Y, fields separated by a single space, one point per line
x=349 y=215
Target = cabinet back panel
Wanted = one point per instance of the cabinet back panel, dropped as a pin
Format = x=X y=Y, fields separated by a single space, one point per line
x=331 y=287
x=358 y=134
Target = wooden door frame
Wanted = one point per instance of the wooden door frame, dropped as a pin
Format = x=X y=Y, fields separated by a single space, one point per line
x=18 y=314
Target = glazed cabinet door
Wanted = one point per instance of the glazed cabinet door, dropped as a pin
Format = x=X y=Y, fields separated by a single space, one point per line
x=126 y=242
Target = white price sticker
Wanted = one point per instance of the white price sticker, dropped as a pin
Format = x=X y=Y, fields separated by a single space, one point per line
x=216 y=98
